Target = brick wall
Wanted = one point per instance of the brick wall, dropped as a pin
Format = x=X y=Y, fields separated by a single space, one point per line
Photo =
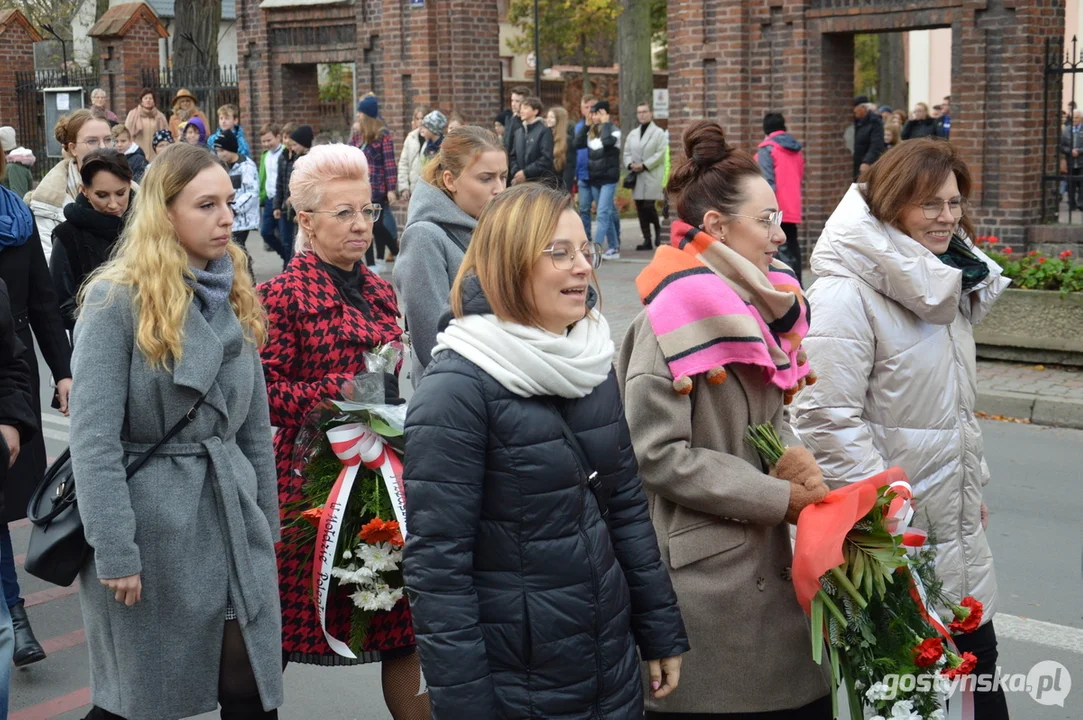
x=734 y=60
x=16 y=54
x=445 y=55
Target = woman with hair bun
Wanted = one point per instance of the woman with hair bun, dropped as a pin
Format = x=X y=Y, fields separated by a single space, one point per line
x=78 y=134
x=470 y=170
x=324 y=313
x=722 y=516
x=179 y=595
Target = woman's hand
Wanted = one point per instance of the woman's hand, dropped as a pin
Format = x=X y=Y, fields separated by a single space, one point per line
x=277 y=214
x=63 y=390
x=392 y=196
x=799 y=467
x=665 y=676
x=128 y=590
x=984 y=516
x=11 y=439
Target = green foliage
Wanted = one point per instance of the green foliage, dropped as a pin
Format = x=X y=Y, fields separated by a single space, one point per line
x=338 y=86
x=866 y=65
x=659 y=34
x=569 y=28
x=1034 y=270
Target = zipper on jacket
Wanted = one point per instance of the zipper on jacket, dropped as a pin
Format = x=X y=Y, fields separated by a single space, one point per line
x=962 y=462
x=583 y=490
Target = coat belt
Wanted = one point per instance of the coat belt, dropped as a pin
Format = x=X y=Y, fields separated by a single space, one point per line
x=243 y=582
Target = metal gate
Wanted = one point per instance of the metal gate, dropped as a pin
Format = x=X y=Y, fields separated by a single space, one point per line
x=214 y=87
x=1058 y=177
x=29 y=85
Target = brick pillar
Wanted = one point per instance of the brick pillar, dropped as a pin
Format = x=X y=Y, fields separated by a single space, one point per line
x=17 y=38
x=128 y=36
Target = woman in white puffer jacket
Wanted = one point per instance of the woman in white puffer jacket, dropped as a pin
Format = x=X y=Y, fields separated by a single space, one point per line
x=900 y=285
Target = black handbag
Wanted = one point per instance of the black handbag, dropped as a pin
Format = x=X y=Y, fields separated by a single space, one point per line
x=58 y=548
x=630 y=180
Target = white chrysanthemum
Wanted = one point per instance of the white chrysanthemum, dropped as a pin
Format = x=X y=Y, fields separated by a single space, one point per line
x=378 y=558
x=942 y=685
x=879 y=691
x=904 y=710
x=937 y=714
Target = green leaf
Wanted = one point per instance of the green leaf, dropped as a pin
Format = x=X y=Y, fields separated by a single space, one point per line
x=382 y=428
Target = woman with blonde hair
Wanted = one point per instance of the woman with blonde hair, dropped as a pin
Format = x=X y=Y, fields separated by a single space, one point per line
x=324 y=313
x=564 y=154
x=167 y=349
x=470 y=170
x=78 y=134
x=531 y=563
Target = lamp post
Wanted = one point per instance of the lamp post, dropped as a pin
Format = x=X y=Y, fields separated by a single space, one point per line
x=537 y=50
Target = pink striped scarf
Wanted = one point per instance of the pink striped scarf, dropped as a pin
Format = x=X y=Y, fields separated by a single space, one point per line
x=710 y=307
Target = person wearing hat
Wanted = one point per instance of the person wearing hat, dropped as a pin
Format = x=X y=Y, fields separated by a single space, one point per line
x=17 y=178
x=244 y=175
x=162 y=139
x=185 y=108
x=433 y=128
x=601 y=137
x=374 y=139
x=868 y=136
x=298 y=143
x=145 y=121
x=194 y=132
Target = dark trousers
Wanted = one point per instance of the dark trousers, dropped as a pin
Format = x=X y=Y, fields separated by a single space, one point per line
x=9 y=578
x=1075 y=187
x=647 y=211
x=382 y=240
x=816 y=710
x=240 y=237
x=991 y=705
x=271 y=234
x=790 y=253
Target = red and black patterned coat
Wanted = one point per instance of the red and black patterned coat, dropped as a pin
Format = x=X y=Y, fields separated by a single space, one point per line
x=315 y=344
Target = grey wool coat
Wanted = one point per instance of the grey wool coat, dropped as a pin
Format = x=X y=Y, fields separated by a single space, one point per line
x=720 y=521
x=198 y=522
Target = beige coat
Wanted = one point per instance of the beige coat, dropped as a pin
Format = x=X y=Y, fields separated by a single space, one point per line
x=720 y=524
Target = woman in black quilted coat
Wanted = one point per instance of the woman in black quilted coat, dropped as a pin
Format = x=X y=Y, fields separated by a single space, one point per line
x=531 y=563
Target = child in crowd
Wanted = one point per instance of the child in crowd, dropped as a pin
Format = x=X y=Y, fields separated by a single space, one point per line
x=194 y=132
x=433 y=128
x=137 y=160
x=244 y=175
x=229 y=118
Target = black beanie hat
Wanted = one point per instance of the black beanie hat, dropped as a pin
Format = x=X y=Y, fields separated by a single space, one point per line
x=226 y=140
x=303 y=136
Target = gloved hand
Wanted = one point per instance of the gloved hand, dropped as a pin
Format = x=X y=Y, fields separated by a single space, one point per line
x=800 y=498
x=391 y=390
x=799 y=467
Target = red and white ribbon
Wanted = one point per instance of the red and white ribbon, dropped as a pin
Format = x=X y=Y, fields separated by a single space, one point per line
x=355 y=445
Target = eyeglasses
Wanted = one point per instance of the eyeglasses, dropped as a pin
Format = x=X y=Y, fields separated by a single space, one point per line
x=95 y=143
x=933 y=208
x=563 y=254
x=774 y=218
x=346 y=216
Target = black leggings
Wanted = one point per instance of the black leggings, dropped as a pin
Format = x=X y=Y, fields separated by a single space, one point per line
x=382 y=239
x=238 y=693
x=990 y=705
x=791 y=251
x=647 y=212
x=816 y=710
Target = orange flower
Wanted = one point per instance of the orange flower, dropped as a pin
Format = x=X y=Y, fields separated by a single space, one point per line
x=378 y=530
x=313 y=515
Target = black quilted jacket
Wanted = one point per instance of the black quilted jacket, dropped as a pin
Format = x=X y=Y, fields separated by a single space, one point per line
x=526 y=602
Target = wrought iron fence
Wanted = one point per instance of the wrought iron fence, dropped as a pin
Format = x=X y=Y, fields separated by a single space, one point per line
x=1061 y=139
x=213 y=87
x=30 y=102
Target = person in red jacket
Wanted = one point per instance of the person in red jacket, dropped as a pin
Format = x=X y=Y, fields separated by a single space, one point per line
x=783 y=165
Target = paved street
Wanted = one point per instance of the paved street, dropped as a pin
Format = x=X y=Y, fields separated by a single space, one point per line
x=1034 y=531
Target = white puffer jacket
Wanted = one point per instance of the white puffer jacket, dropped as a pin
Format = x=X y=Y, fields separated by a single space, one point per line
x=892 y=343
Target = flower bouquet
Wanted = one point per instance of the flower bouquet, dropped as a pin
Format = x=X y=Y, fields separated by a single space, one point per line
x=867 y=582
x=353 y=512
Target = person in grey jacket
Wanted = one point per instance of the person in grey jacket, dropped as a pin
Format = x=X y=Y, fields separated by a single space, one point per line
x=471 y=169
x=174 y=631
x=1071 y=144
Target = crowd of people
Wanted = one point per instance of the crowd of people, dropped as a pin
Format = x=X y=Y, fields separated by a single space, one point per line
x=589 y=533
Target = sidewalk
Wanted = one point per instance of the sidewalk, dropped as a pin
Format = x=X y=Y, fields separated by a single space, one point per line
x=1029 y=393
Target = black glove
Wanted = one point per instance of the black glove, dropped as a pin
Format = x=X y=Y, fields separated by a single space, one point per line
x=391 y=390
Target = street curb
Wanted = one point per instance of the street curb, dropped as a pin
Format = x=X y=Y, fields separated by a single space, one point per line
x=1036 y=408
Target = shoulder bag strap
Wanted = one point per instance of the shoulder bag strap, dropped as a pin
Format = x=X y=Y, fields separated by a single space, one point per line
x=601 y=495
x=180 y=425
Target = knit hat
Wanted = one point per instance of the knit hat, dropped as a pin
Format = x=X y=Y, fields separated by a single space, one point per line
x=600 y=105
x=885 y=109
x=226 y=140
x=160 y=137
x=303 y=136
x=435 y=122
x=7 y=138
x=861 y=100
x=184 y=93
x=369 y=106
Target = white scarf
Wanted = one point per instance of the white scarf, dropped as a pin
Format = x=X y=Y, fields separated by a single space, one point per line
x=531 y=361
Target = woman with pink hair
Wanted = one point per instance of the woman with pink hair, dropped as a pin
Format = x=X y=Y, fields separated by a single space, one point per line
x=324 y=312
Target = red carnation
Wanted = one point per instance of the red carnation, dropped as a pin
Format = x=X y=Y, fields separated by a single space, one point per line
x=968 y=614
x=1041 y=261
x=1066 y=254
x=313 y=515
x=993 y=239
x=928 y=652
x=965 y=666
x=1007 y=251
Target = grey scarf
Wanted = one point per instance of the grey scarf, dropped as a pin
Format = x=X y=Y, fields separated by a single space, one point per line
x=212 y=286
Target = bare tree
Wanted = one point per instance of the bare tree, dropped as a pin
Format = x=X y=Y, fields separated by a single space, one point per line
x=634 y=55
x=195 y=33
x=893 y=90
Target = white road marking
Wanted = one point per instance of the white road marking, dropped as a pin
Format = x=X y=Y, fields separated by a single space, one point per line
x=1039 y=632
x=55 y=434
x=56 y=419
